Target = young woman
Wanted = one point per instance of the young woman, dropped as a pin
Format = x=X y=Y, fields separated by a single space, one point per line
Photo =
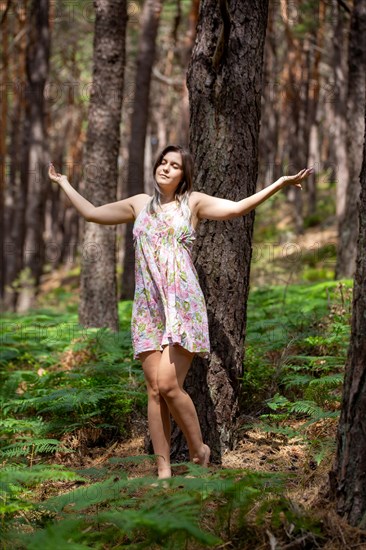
x=169 y=318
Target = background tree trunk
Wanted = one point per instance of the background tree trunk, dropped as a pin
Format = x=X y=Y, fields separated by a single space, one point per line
x=136 y=154
x=16 y=190
x=340 y=34
x=348 y=228
x=348 y=478
x=225 y=83
x=98 y=300
x=3 y=132
x=37 y=66
x=313 y=114
x=269 y=133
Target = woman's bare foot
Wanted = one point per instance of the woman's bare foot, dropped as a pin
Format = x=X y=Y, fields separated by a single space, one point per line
x=164 y=473
x=203 y=457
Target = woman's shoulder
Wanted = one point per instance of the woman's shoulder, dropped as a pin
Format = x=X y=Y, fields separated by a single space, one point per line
x=141 y=197
x=139 y=202
x=196 y=195
x=194 y=198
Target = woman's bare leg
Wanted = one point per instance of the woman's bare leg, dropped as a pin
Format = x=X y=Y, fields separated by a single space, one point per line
x=174 y=365
x=157 y=413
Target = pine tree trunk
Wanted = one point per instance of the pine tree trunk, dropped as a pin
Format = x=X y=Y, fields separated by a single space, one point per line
x=225 y=83
x=348 y=229
x=337 y=109
x=313 y=115
x=269 y=132
x=294 y=128
x=98 y=292
x=18 y=170
x=348 y=478
x=3 y=130
x=37 y=66
x=135 y=179
x=183 y=124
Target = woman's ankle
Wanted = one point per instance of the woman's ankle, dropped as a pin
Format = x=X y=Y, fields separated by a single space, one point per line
x=202 y=456
x=164 y=473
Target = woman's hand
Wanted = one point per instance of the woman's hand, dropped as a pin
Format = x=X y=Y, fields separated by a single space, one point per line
x=296 y=180
x=54 y=176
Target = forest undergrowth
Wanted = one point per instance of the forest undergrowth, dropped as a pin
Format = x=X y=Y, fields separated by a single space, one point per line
x=74 y=471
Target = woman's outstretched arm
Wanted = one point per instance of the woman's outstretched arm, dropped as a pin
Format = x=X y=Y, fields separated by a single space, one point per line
x=109 y=214
x=214 y=208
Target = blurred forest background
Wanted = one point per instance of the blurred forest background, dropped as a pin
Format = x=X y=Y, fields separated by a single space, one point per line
x=99 y=88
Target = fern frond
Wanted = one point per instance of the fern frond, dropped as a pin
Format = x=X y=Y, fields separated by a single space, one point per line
x=33 y=446
x=309 y=408
x=329 y=380
x=8 y=354
x=62 y=535
x=295 y=380
x=39 y=473
x=84 y=497
x=181 y=515
x=286 y=431
x=278 y=402
x=11 y=426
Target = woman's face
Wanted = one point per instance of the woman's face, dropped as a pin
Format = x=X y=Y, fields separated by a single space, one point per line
x=169 y=173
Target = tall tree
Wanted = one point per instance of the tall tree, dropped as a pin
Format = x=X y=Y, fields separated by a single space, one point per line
x=348 y=478
x=37 y=67
x=337 y=107
x=4 y=120
x=136 y=152
x=16 y=190
x=98 y=300
x=348 y=230
x=224 y=83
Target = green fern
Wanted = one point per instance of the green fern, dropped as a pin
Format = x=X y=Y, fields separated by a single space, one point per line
x=307 y=408
x=32 y=447
x=286 y=432
x=62 y=535
x=12 y=426
x=129 y=511
x=17 y=480
x=330 y=380
x=322 y=449
x=179 y=521
x=20 y=473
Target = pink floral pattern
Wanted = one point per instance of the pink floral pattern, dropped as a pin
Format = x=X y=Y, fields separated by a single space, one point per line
x=169 y=306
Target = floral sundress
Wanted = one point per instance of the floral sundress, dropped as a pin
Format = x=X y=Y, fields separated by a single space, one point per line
x=169 y=306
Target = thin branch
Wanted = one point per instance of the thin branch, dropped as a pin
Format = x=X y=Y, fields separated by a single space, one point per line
x=343 y=5
x=169 y=81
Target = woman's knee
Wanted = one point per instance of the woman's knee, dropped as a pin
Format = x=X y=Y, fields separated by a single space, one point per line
x=168 y=387
x=153 y=391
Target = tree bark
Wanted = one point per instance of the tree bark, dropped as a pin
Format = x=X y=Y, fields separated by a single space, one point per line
x=135 y=179
x=183 y=124
x=313 y=114
x=98 y=292
x=37 y=67
x=269 y=132
x=348 y=478
x=3 y=130
x=338 y=105
x=348 y=229
x=294 y=108
x=18 y=167
x=224 y=83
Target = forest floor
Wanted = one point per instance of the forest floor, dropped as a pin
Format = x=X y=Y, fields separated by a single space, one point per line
x=307 y=484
